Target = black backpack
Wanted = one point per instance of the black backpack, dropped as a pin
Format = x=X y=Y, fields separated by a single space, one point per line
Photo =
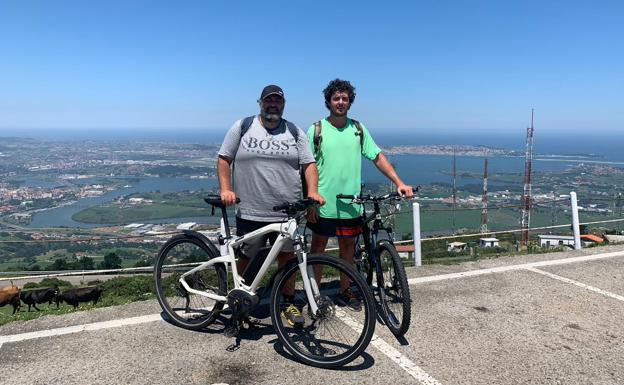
x=318 y=138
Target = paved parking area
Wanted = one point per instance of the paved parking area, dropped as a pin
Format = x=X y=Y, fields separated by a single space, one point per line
x=544 y=319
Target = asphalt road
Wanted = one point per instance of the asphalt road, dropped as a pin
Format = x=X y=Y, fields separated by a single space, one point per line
x=553 y=318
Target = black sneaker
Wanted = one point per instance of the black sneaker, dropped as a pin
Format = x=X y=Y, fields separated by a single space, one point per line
x=347 y=298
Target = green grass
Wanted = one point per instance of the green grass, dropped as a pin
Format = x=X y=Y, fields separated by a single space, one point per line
x=498 y=219
x=117 y=291
x=165 y=205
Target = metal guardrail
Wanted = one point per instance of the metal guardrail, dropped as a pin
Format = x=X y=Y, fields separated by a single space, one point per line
x=47 y=274
x=416 y=241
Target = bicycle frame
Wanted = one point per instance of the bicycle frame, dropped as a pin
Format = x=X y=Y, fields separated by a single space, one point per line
x=369 y=234
x=287 y=231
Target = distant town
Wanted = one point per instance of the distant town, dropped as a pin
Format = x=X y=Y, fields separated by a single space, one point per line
x=36 y=174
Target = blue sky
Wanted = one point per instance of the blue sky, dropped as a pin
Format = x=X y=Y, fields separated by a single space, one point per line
x=417 y=65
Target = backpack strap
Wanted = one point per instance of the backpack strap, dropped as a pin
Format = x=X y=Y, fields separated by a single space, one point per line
x=293 y=130
x=359 y=132
x=317 y=139
x=245 y=124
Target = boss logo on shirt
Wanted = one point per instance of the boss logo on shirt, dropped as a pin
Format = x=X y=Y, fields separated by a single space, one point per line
x=255 y=144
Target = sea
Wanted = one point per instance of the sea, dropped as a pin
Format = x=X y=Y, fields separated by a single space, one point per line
x=572 y=148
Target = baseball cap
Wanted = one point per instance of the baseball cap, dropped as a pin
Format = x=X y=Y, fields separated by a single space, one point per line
x=271 y=90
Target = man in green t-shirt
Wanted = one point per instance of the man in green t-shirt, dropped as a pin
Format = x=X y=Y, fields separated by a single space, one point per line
x=343 y=142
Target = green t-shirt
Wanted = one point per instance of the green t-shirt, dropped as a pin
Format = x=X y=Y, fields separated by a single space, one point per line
x=340 y=166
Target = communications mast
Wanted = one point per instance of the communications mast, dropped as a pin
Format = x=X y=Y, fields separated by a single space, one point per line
x=484 y=203
x=526 y=211
x=454 y=188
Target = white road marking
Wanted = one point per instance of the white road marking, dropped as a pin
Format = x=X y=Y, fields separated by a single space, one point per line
x=524 y=266
x=404 y=362
x=400 y=359
x=80 y=328
x=579 y=284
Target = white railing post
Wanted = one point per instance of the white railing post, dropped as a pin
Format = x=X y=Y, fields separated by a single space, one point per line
x=575 y=221
x=416 y=234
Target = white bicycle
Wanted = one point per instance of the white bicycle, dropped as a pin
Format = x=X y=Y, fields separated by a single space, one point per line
x=193 y=289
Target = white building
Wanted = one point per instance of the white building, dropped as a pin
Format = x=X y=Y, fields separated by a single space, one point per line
x=488 y=242
x=186 y=226
x=550 y=240
x=456 y=246
x=568 y=240
x=405 y=251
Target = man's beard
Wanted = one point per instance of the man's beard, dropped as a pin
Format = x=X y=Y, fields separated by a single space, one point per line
x=271 y=115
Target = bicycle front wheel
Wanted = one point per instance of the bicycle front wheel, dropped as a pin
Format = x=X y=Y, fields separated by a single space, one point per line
x=342 y=327
x=395 y=300
x=187 y=309
x=362 y=263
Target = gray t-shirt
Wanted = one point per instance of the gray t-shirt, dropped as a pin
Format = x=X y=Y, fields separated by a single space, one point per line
x=266 y=168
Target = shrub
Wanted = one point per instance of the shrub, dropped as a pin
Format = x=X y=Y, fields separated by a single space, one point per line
x=134 y=288
x=49 y=282
x=31 y=285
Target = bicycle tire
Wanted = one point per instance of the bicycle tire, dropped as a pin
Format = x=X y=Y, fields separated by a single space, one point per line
x=314 y=342
x=362 y=263
x=188 y=310
x=396 y=303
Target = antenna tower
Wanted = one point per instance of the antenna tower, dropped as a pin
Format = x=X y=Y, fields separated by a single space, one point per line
x=553 y=210
x=484 y=202
x=618 y=205
x=454 y=188
x=526 y=211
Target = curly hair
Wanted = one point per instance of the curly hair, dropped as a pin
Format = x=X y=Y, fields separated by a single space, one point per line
x=338 y=85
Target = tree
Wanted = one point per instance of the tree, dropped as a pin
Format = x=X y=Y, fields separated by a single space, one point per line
x=111 y=261
x=144 y=263
x=59 y=264
x=85 y=263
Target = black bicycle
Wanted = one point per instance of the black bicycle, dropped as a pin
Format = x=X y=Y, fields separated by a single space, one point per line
x=380 y=256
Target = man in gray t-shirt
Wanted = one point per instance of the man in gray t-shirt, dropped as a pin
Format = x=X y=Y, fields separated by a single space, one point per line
x=266 y=158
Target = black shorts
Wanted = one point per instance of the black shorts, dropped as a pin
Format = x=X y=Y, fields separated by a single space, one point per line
x=341 y=228
x=249 y=249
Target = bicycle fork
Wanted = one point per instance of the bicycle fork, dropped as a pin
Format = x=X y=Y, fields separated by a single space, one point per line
x=371 y=240
x=310 y=285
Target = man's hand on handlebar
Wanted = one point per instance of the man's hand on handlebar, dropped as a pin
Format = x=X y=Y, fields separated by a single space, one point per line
x=228 y=197
x=317 y=197
x=405 y=190
x=311 y=213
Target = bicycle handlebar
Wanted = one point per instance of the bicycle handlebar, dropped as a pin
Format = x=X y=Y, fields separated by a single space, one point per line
x=215 y=200
x=371 y=198
x=294 y=207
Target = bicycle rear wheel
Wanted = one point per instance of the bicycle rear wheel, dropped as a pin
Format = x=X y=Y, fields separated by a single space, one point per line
x=395 y=300
x=186 y=309
x=339 y=332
